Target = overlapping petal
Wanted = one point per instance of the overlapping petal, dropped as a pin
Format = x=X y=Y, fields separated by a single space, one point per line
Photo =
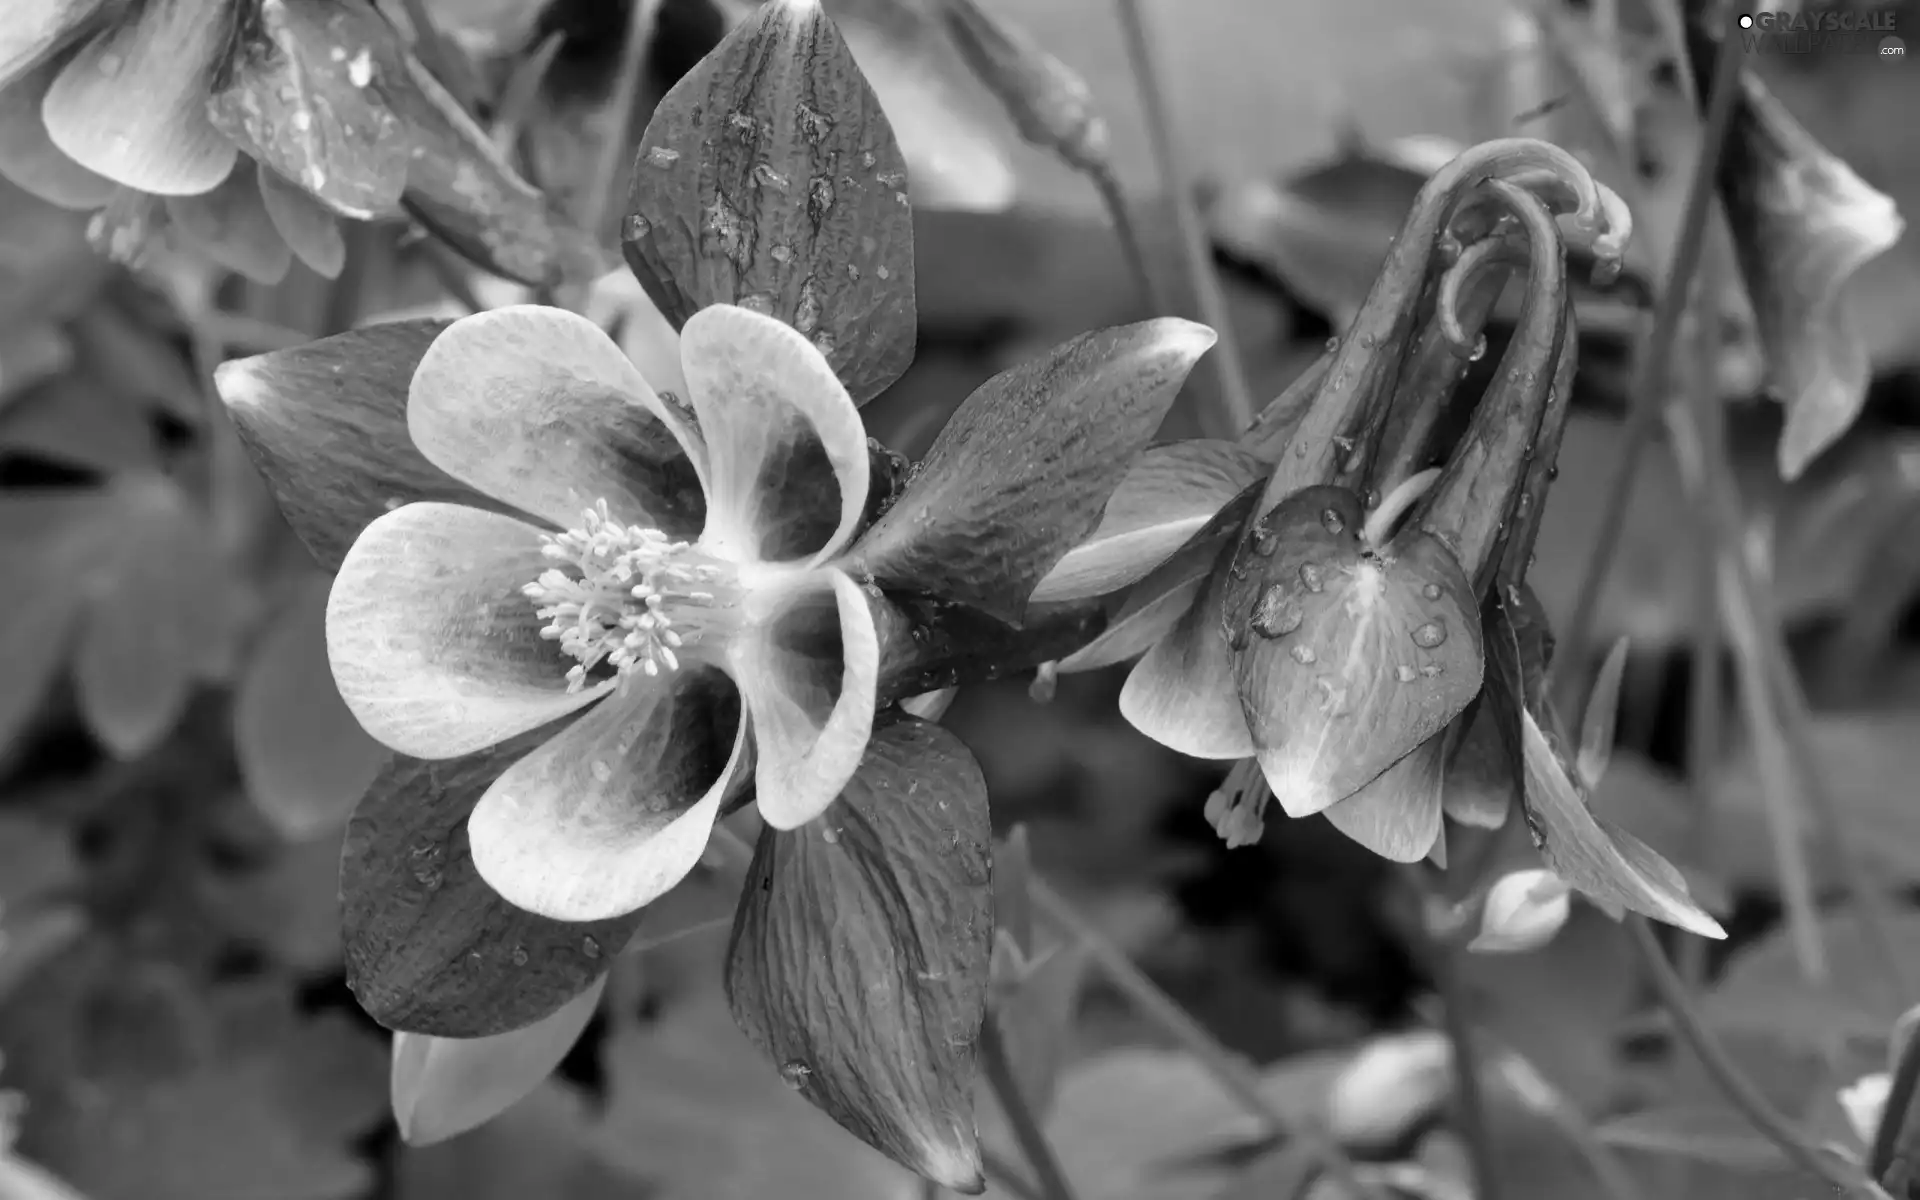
x=784 y=442
x=1182 y=694
x=35 y=28
x=28 y=157
x=615 y=810
x=537 y=407
x=132 y=104
x=230 y=225
x=808 y=675
x=434 y=647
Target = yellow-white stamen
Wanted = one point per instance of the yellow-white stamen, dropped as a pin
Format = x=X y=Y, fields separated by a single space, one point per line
x=615 y=599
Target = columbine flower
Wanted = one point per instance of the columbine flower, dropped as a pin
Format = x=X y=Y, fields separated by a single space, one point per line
x=680 y=557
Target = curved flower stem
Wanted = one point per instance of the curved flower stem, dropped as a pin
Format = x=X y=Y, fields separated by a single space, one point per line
x=1650 y=378
x=1006 y=1177
x=1442 y=958
x=1236 y=395
x=1230 y=1072
x=1897 y=1112
x=1835 y=1173
x=1152 y=295
x=1020 y=1114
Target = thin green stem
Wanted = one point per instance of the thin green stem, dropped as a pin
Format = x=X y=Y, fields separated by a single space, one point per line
x=1231 y=1072
x=1736 y=1087
x=1007 y=1178
x=1650 y=383
x=1897 y=1112
x=1236 y=396
x=617 y=147
x=1152 y=295
x=1020 y=1114
x=1470 y=1102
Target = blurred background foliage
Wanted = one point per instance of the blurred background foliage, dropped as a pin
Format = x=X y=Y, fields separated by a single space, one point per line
x=175 y=768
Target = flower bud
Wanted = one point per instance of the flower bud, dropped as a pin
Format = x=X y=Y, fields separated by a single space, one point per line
x=1050 y=105
x=1389 y=1087
x=1523 y=911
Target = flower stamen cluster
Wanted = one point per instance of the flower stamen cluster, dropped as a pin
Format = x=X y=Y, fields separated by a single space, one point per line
x=609 y=603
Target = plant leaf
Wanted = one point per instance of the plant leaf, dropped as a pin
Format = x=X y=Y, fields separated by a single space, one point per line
x=1168 y=495
x=430 y=948
x=1035 y=1001
x=1051 y=436
x=859 y=957
x=304 y=93
x=1346 y=658
x=1764 y=992
x=326 y=425
x=1597 y=722
x=1722 y=1137
x=770 y=178
x=1803 y=223
x=442 y=1087
x=304 y=759
x=36 y=637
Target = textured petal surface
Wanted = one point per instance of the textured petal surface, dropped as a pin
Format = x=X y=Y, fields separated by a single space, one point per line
x=1397 y=816
x=28 y=156
x=433 y=645
x=612 y=813
x=132 y=104
x=1182 y=694
x=537 y=407
x=808 y=678
x=787 y=464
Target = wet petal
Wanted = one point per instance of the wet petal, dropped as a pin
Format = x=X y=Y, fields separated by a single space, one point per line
x=808 y=678
x=614 y=811
x=132 y=104
x=35 y=28
x=1182 y=694
x=1397 y=815
x=776 y=420
x=537 y=407
x=433 y=645
x=28 y=156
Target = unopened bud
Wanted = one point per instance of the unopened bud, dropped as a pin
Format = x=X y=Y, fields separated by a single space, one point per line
x=1390 y=1086
x=1523 y=911
x=1050 y=105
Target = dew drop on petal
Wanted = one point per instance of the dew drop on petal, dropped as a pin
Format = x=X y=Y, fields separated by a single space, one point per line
x=426 y=865
x=590 y=947
x=1302 y=654
x=830 y=835
x=1263 y=540
x=637 y=227
x=662 y=156
x=759 y=302
x=1430 y=635
x=1311 y=579
x=1479 y=350
x=795 y=1073
x=602 y=770
x=519 y=956
x=1430 y=670
x=1405 y=673
x=1331 y=519
x=781 y=253
x=1276 y=614
x=1333 y=343
x=110 y=65
x=1431 y=591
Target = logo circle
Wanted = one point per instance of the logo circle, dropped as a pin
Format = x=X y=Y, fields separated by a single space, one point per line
x=1746 y=22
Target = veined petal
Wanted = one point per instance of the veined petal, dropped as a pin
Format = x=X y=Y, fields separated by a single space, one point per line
x=612 y=813
x=537 y=407
x=433 y=646
x=28 y=156
x=782 y=436
x=1397 y=815
x=36 y=28
x=807 y=676
x=132 y=104
x=1183 y=694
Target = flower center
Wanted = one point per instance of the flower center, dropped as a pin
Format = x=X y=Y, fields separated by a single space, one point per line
x=626 y=596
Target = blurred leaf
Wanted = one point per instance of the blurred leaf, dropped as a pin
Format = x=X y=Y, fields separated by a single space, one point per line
x=539 y=1147
x=860 y=953
x=230 y=225
x=1763 y=991
x=81 y=420
x=1714 y=1135
x=1054 y=435
x=770 y=178
x=1869 y=762
x=302 y=93
x=1035 y=1003
x=30 y=352
x=304 y=759
x=443 y=1087
x=227 y=1092
x=288 y=907
x=1803 y=223
x=36 y=858
x=158 y=612
x=699 y=1114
